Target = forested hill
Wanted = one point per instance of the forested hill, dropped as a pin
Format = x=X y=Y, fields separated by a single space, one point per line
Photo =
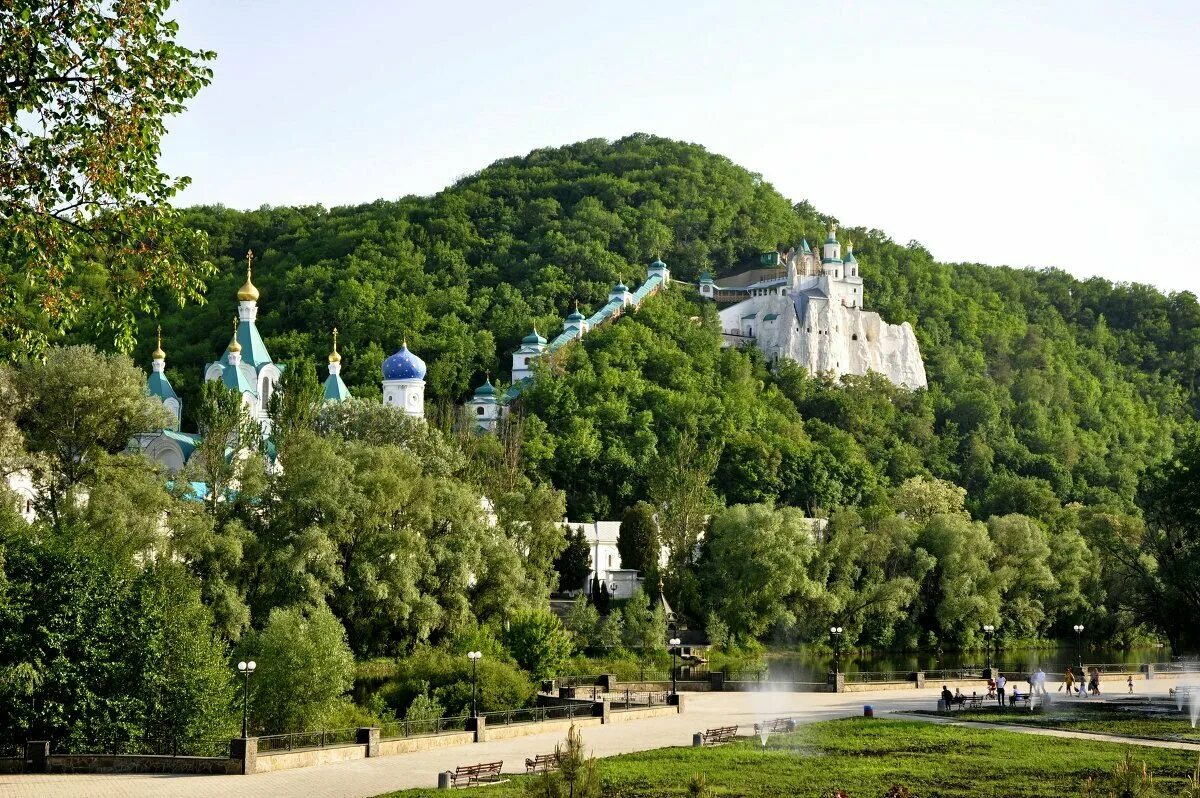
x=1044 y=389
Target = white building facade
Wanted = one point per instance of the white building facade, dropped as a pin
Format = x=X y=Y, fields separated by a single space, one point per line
x=813 y=313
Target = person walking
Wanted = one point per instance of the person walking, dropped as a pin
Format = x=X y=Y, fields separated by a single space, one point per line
x=1041 y=681
x=1069 y=681
x=1000 y=682
x=1130 y=680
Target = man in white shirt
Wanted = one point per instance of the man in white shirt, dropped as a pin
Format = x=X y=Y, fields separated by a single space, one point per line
x=1000 y=682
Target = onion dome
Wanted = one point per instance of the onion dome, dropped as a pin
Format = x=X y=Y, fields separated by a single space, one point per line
x=334 y=357
x=158 y=353
x=832 y=237
x=486 y=391
x=620 y=287
x=248 y=293
x=404 y=365
x=575 y=316
x=658 y=264
x=534 y=338
x=234 y=346
x=849 y=253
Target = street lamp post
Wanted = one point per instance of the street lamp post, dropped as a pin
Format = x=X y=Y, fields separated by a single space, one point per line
x=836 y=631
x=988 y=632
x=474 y=656
x=246 y=668
x=1079 y=646
x=674 y=642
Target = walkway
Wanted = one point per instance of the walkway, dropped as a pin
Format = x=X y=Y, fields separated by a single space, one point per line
x=370 y=777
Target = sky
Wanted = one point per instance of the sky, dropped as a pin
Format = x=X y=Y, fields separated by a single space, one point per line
x=1046 y=134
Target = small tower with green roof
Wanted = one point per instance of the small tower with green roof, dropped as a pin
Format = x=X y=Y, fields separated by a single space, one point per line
x=160 y=387
x=484 y=408
x=532 y=347
x=577 y=322
x=335 y=389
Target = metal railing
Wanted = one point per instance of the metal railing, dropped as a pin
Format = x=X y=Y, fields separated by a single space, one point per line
x=576 y=681
x=946 y=674
x=324 y=738
x=878 y=676
x=171 y=746
x=417 y=728
x=512 y=717
x=636 y=699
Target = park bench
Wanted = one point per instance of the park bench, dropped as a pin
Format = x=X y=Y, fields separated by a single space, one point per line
x=721 y=734
x=1022 y=699
x=541 y=763
x=775 y=725
x=484 y=772
x=973 y=702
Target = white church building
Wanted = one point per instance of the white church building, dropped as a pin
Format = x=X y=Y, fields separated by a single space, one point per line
x=812 y=311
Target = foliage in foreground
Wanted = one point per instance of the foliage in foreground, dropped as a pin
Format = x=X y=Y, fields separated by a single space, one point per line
x=865 y=758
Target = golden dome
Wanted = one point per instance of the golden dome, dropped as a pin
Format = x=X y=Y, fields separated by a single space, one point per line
x=248 y=293
x=158 y=353
x=334 y=357
x=234 y=346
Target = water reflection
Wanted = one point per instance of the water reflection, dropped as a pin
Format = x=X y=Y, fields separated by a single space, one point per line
x=805 y=666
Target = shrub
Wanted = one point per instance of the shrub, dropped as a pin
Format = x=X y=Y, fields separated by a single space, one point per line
x=446 y=678
x=539 y=643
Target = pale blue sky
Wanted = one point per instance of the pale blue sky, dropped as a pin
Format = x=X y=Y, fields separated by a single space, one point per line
x=1047 y=134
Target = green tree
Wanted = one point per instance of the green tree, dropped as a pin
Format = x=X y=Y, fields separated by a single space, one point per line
x=305 y=669
x=539 y=643
x=76 y=405
x=921 y=498
x=583 y=621
x=574 y=562
x=637 y=542
x=754 y=568
x=88 y=88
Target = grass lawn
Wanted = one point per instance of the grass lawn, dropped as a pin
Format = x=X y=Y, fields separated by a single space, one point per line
x=1128 y=719
x=865 y=757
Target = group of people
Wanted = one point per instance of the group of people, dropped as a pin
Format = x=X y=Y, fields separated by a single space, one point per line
x=1089 y=687
x=999 y=684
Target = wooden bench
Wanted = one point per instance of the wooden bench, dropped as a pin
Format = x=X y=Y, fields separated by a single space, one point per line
x=541 y=763
x=721 y=734
x=1020 y=698
x=483 y=773
x=775 y=725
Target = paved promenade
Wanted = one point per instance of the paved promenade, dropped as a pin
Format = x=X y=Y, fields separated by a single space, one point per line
x=370 y=777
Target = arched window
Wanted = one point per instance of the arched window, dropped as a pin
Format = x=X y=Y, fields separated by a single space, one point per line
x=854 y=337
x=479 y=411
x=265 y=390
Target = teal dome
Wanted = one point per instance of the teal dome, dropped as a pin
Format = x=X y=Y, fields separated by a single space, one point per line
x=620 y=288
x=487 y=389
x=533 y=338
x=575 y=316
x=658 y=264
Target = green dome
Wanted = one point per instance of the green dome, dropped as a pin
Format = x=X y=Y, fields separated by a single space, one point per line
x=487 y=389
x=658 y=264
x=620 y=288
x=575 y=316
x=533 y=338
